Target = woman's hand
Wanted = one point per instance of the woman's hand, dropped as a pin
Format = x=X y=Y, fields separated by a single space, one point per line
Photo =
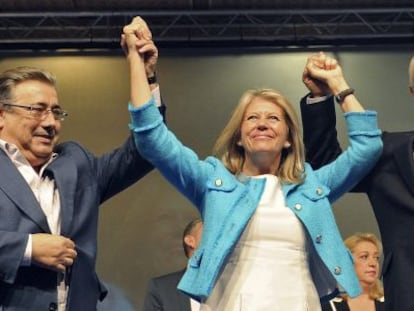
x=136 y=40
x=134 y=35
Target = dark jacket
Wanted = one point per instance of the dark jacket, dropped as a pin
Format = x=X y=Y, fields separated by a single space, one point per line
x=163 y=295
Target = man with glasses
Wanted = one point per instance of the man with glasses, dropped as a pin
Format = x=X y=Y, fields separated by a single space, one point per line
x=41 y=111
x=50 y=195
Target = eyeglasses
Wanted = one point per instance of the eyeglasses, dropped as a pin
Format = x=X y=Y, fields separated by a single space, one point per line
x=41 y=112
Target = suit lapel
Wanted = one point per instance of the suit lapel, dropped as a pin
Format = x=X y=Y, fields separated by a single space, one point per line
x=65 y=175
x=16 y=188
x=183 y=300
x=403 y=157
x=185 y=303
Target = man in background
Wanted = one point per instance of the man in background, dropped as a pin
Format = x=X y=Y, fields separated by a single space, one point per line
x=162 y=293
x=389 y=186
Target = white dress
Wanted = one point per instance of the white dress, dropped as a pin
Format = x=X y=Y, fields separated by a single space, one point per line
x=268 y=269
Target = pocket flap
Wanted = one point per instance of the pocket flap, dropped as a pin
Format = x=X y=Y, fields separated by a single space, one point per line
x=316 y=192
x=195 y=260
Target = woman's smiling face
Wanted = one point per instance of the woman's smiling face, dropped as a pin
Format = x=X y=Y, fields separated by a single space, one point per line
x=264 y=129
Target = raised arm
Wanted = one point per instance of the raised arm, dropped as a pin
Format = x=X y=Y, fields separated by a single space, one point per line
x=318 y=117
x=319 y=131
x=327 y=71
x=134 y=38
x=178 y=163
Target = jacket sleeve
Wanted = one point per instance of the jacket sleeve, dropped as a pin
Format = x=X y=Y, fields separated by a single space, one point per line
x=179 y=164
x=319 y=132
x=363 y=152
x=120 y=168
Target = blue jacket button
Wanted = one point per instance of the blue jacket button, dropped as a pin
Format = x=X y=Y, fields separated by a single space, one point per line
x=318 y=238
x=337 y=270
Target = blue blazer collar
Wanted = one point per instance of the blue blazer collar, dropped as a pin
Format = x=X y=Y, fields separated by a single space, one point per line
x=16 y=188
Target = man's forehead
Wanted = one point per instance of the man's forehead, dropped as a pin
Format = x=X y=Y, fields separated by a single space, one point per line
x=36 y=91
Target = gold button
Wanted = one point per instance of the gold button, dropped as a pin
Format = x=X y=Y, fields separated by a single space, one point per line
x=319 y=191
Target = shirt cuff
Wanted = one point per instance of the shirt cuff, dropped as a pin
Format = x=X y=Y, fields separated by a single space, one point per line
x=315 y=100
x=157 y=96
x=27 y=259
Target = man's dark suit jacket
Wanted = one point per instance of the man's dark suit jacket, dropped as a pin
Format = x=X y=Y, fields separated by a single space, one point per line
x=390 y=188
x=163 y=295
x=84 y=181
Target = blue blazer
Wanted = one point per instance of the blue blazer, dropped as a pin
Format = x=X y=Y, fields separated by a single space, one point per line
x=227 y=203
x=84 y=181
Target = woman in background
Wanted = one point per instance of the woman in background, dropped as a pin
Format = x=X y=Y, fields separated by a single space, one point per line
x=366 y=249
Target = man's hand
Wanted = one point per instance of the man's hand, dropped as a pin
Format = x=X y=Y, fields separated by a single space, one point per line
x=316 y=87
x=138 y=37
x=150 y=52
x=53 y=252
x=326 y=70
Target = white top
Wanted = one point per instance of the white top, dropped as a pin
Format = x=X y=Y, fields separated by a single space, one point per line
x=268 y=269
x=194 y=305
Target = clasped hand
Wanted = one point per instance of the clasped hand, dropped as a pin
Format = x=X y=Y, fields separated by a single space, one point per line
x=322 y=74
x=54 y=252
x=137 y=37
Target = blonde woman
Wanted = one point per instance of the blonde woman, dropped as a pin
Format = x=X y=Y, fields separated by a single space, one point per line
x=366 y=249
x=270 y=241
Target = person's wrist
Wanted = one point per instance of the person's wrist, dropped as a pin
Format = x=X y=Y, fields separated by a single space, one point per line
x=316 y=94
x=340 y=97
x=152 y=79
x=337 y=84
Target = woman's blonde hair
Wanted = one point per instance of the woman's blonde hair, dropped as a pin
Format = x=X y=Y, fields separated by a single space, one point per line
x=291 y=169
x=351 y=242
